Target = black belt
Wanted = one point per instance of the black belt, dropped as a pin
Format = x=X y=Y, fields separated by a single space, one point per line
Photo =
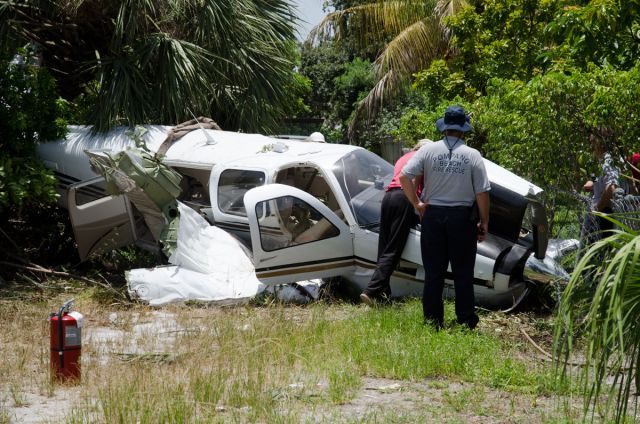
x=394 y=188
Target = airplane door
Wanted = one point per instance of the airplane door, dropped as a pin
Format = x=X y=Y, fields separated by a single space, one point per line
x=295 y=237
x=100 y=222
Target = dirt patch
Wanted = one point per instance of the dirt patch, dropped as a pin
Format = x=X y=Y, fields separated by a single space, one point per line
x=35 y=408
x=378 y=399
x=113 y=335
x=442 y=400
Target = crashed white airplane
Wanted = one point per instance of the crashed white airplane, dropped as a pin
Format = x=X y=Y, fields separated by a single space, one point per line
x=306 y=210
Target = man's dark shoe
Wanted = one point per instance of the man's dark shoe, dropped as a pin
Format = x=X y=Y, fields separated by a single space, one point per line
x=471 y=323
x=365 y=298
x=436 y=324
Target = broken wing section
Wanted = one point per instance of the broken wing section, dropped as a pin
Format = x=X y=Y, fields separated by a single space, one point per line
x=149 y=185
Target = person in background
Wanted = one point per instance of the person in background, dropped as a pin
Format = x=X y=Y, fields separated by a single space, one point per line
x=455 y=177
x=396 y=220
x=634 y=184
x=602 y=186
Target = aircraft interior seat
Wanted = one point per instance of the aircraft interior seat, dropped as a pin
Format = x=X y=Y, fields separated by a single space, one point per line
x=310 y=180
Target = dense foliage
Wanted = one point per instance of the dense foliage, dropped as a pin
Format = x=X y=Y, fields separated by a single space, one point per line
x=598 y=31
x=413 y=34
x=28 y=114
x=163 y=62
x=540 y=129
x=507 y=40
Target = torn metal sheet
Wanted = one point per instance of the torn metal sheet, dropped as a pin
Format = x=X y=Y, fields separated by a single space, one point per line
x=151 y=186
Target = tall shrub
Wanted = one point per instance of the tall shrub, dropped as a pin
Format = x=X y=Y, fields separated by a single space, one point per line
x=28 y=115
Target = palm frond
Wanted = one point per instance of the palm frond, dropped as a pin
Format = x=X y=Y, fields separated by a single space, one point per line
x=255 y=40
x=372 y=21
x=17 y=18
x=368 y=107
x=418 y=35
x=133 y=18
x=601 y=305
x=156 y=59
x=413 y=49
x=445 y=8
x=124 y=92
x=180 y=73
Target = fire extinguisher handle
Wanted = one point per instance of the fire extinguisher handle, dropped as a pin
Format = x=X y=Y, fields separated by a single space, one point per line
x=66 y=306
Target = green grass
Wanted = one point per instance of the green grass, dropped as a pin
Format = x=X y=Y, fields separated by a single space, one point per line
x=393 y=343
x=286 y=364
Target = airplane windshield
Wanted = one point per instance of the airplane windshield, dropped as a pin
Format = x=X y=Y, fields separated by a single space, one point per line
x=363 y=177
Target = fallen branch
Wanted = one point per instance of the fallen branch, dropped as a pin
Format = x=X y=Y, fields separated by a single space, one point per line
x=38 y=268
x=549 y=357
x=10 y=239
x=31 y=281
x=541 y=350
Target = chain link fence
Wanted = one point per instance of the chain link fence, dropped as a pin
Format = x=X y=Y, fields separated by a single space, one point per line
x=626 y=209
x=572 y=215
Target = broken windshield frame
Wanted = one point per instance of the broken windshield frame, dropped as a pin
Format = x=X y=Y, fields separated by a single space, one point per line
x=363 y=177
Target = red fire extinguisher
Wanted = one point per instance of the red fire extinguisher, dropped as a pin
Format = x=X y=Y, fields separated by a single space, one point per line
x=66 y=332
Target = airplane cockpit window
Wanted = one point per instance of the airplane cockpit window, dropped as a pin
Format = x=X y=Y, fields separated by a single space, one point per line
x=232 y=186
x=290 y=221
x=363 y=177
x=311 y=180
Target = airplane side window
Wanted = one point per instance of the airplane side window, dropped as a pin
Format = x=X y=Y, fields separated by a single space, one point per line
x=232 y=186
x=312 y=181
x=289 y=221
x=90 y=192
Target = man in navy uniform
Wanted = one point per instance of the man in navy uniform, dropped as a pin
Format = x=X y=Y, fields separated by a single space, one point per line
x=454 y=179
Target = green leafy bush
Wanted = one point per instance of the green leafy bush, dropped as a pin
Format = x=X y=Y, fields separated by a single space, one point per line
x=28 y=115
x=439 y=82
x=540 y=129
x=502 y=39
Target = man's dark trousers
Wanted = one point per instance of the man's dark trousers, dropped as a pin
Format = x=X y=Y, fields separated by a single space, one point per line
x=397 y=218
x=448 y=235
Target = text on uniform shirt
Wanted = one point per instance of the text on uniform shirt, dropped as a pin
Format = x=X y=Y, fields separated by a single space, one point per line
x=455 y=165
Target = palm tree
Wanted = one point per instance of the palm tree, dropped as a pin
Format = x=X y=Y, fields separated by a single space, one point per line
x=600 y=308
x=415 y=34
x=158 y=60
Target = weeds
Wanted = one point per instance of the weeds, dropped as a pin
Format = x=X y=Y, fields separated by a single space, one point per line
x=17 y=396
x=277 y=363
x=5 y=418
